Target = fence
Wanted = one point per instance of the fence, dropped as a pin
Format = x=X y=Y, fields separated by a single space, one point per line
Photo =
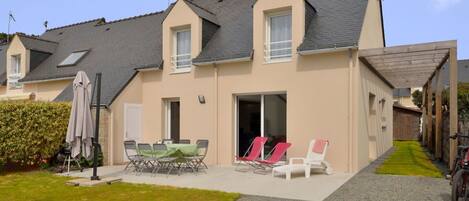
x=463 y=128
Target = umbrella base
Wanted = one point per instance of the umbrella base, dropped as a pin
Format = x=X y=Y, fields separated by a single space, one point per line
x=89 y=182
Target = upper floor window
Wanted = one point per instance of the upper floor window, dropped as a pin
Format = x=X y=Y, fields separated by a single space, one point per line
x=278 y=45
x=181 y=57
x=15 y=65
x=15 y=72
x=73 y=58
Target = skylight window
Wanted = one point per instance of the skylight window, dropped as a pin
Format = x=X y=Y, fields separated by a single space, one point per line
x=73 y=58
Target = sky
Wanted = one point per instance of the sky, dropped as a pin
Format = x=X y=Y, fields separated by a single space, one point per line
x=406 y=21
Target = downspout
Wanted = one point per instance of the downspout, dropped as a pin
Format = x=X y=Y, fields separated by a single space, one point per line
x=111 y=136
x=216 y=111
x=350 y=112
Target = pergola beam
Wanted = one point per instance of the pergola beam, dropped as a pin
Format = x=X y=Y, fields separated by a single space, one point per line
x=438 y=114
x=424 y=47
x=406 y=56
x=408 y=59
x=453 y=104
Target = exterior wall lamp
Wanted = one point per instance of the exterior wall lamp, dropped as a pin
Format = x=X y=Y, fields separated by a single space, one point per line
x=201 y=99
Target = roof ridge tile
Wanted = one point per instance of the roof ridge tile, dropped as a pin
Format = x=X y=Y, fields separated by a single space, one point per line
x=76 y=24
x=132 y=18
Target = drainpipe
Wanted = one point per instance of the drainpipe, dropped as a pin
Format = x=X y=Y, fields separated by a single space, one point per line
x=216 y=112
x=350 y=112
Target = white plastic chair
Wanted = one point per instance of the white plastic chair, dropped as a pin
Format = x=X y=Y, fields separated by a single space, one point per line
x=313 y=160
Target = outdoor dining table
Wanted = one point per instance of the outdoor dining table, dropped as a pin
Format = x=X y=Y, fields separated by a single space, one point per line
x=174 y=150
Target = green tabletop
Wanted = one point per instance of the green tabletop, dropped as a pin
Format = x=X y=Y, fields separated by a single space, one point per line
x=174 y=150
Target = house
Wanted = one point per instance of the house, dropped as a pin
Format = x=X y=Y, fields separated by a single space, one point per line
x=403 y=96
x=225 y=71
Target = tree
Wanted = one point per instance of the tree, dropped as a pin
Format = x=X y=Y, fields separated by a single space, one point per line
x=417 y=98
x=3 y=37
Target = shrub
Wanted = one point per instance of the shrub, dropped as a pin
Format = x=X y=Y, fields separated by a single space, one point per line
x=31 y=132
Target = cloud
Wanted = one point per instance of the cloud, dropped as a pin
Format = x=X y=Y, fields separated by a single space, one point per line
x=444 y=4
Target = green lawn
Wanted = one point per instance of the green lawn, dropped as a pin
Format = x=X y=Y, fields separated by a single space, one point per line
x=409 y=159
x=44 y=186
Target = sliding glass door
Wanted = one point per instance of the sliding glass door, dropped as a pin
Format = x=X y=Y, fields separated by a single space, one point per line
x=261 y=115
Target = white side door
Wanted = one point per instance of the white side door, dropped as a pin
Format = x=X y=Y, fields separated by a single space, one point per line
x=132 y=123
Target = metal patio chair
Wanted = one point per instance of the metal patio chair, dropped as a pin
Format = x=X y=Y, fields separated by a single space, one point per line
x=198 y=160
x=147 y=161
x=168 y=141
x=184 y=141
x=131 y=152
x=164 y=161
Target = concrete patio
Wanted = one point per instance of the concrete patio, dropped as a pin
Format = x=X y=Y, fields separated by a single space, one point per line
x=317 y=187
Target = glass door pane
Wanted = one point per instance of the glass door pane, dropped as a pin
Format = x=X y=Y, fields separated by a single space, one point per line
x=249 y=121
x=275 y=120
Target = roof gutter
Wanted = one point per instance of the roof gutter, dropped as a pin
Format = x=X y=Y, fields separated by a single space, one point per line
x=148 y=69
x=327 y=50
x=47 y=80
x=243 y=59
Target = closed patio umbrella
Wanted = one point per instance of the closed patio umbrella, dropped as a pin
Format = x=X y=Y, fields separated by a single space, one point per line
x=80 y=125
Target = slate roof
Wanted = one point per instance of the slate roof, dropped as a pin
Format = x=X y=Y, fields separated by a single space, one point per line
x=337 y=23
x=3 y=63
x=115 y=49
x=202 y=12
x=37 y=44
x=233 y=39
x=120 y=47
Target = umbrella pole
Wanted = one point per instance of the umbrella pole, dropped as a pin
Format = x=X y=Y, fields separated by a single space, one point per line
x=96 y=127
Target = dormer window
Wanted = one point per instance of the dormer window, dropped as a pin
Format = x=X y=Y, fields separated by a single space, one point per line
x=278 y=45
x=73 y=58
x=181 y=58
x=15 y=72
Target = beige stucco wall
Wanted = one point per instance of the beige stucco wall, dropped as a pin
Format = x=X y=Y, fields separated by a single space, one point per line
x=302 y=79
x=372 y=32
x=47 y=91
x=374 y=136
x=320 y=101
x=367 y=129
x=132 y=94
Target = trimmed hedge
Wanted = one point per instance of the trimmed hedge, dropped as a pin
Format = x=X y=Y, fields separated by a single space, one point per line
x=31 y=132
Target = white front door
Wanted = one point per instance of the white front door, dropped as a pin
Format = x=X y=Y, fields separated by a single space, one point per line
x=132 y=123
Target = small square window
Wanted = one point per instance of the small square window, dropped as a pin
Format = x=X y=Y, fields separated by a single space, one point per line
x=73 y=58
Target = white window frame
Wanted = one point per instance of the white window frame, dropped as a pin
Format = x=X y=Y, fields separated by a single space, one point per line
x=62 y=64
x=167 y=116
x=236 y=121
x=14 y=77
x=174 y=56
x=267 y=50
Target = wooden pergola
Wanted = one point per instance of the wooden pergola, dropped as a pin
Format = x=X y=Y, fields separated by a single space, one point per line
x=418 y=65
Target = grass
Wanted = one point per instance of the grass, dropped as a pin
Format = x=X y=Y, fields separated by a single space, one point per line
x=44 y=186
x=409 y=158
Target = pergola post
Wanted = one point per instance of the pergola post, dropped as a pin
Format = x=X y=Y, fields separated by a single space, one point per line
x=424 y=115
x=429 y=113
x=438 y=114
x=453 y=103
